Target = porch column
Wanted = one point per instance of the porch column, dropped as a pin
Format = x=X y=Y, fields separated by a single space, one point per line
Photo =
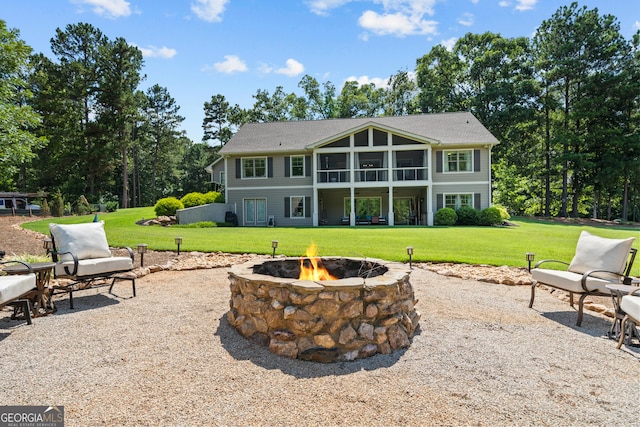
x=315 y=207
x=390 y=219
x=352 y=214
x=429 y=206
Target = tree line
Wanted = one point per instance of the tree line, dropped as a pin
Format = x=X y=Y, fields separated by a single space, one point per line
x=565 y=104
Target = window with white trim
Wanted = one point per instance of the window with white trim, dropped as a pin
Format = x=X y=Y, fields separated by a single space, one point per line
x=458 y=161
x=297 y=207
x=297 y=166
x=254 y=167
x=455 y=201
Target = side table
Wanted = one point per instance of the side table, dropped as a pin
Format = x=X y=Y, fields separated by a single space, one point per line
x=42 y=301
x=617 y=292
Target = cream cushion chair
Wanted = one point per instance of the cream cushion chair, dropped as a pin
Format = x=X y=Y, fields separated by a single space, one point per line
x=13 y=289
x=82 y=254
x=630 y=304
x=597 y=262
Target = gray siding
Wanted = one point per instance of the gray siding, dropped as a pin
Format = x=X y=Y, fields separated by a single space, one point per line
x=277 y=180
x=476 y=189
x=275 y=199
x=482 y=176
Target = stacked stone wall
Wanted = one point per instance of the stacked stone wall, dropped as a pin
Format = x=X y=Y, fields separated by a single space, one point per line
x=324 y=321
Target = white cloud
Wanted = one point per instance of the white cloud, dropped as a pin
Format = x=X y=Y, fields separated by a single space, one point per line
x=209 y=10
x=231 y=64
x=504 y=3
x=292 y=69
x=157 y=52
x=108 y=8
x=322 y=7
x=365 y=80
x=475 y=1
x=466 y=19
x=636 y=25
x=449 y=43
x=398 y=24
x=526 y=4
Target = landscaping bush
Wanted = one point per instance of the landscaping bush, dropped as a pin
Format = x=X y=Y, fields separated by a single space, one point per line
x=490 y=216
x=44 y=208
x=468 y=216
x=193 y=199
x=168 y=206
x=504 y=213
x=112 y=206
x=213 y=197
x=57 y=205
x=446 y=216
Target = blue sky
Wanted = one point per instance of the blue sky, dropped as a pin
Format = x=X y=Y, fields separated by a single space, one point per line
x=200 y=48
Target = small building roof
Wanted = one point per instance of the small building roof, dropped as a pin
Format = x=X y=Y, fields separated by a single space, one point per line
x=294 y=136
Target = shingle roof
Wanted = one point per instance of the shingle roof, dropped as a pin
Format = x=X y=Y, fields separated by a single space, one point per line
x=445 y=128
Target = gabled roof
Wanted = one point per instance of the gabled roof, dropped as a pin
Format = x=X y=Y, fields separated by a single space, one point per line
x=281 y=137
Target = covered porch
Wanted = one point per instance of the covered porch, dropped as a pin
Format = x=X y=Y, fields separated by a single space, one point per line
x=373 y=206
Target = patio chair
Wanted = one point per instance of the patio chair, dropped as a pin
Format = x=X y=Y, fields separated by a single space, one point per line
x=82 y=255
x=630 y=304
x=15 y=289
x=597 y=262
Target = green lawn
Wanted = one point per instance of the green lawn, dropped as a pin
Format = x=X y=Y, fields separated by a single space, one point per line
x=473 y=245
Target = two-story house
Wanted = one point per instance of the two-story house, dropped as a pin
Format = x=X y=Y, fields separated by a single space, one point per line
x=379 y=171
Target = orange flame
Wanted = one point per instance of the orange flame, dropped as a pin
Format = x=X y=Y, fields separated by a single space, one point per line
x=316 y=271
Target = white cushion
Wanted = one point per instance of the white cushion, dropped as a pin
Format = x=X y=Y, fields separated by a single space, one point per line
x=599 y=253
x=12 y=287
x=95 y=266
x=631 y=305
x=86 y=241
x=570 y=282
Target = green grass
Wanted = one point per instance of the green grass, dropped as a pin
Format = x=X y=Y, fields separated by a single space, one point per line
x=473 y=245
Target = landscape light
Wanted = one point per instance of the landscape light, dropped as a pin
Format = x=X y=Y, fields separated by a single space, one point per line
x=142 y=248
x=410 y=253
x=178 y=242
x=274 y=245
x=530 y=257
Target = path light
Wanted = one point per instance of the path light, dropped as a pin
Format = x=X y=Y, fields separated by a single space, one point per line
x=142 y=248
x=47 y=244
x=410 y=253
x=274 y=245
x=178 y=242
x=530 y=257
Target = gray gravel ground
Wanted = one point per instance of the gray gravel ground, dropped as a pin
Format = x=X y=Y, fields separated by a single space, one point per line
x=168 y=357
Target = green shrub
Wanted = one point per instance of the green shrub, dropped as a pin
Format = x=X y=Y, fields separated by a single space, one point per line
x=446 y=216
x=201 y=224
x=213 y=197
x=112 y=206
x=504 y=212
x=57 y=205
x=168 y=206
x=468 y=215
x=44 y=208
x=193 y=199
x=490 y=216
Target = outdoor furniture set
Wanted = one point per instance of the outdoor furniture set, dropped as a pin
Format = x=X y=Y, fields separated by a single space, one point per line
x=600 y=267
x=81 y=258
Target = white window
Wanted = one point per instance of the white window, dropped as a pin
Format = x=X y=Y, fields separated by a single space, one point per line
x=223 y=178
x=458 y=161
x=297 y=207
x=455 y=201
x=254 y=167
x=297 y=166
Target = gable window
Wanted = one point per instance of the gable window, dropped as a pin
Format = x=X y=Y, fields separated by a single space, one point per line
x=254 y=167
x=297 y=166
x=458 y=161
x=456 y=201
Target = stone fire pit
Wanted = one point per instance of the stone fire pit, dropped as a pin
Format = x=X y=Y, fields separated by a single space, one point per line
x=368 y=310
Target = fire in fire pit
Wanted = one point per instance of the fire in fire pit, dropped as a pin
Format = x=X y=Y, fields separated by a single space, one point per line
x=315 y=270
x=367 y=307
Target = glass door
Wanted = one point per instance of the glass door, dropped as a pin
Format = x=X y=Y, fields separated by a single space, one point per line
x=255 y=212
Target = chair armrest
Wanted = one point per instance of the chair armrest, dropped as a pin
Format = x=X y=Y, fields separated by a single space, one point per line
x=54 y=256
x=587 y=274
x=131 y=253
x=635 y=293
x=18 y=262
x=549 y=260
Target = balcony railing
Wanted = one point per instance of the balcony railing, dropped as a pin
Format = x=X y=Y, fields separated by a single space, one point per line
x=369 y=174
x=336 y=175
x=410 y=174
